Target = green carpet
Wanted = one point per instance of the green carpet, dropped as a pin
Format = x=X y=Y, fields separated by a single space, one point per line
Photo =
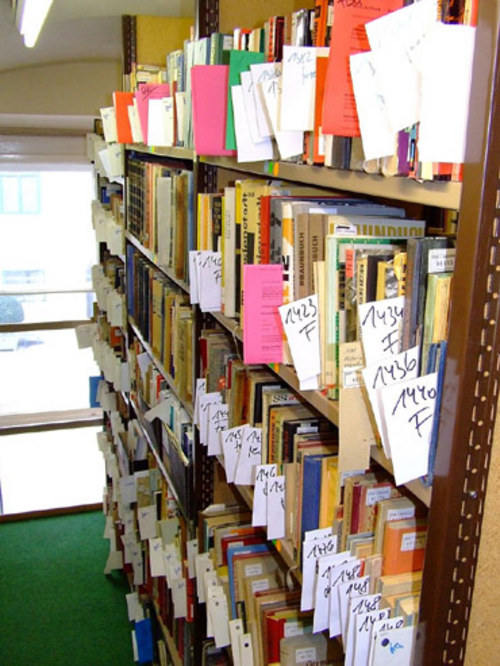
x=56 y=605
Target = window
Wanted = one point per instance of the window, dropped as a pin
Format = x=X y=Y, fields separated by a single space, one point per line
x=20 y=194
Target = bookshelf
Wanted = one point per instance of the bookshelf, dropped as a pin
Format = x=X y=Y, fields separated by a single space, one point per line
x=471 y=375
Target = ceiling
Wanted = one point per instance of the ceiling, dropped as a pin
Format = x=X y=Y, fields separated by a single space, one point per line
x=77 y=30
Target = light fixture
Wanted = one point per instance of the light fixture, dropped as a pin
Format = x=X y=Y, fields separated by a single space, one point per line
x=30 y=16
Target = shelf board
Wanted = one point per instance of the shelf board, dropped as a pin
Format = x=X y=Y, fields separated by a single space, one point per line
x=153 y=259
x=326 y=407
x=417 y=488
x=440 y=194
x=169 y=379
x=159 y=151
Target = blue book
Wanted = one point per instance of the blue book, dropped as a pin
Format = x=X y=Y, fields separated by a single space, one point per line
x=232 y=551
x=439 y=362
x=144 y=639
x=311 y=490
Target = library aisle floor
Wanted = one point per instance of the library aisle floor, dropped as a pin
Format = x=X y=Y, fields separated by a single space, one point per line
x=56 y=605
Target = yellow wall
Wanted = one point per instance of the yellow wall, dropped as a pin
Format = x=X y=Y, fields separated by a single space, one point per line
x=253 y=14
x=159 y=35
x=79 y=88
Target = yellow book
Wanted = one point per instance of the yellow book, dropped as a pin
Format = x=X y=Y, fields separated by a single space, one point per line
x=330 y=491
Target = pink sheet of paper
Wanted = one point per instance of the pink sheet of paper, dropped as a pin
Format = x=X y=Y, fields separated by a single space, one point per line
x=209 y=89
x=262 y=328
x=143 y=94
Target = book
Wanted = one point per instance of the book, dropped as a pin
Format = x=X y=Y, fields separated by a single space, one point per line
x=416 y=280
x=209 y=89
x=394 y=508
x=404 y=546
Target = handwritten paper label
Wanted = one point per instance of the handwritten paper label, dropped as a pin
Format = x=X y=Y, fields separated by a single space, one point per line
x=379 y=140
x=247 y=86
x=156 y=557
x=232 y=441
x=263 y=474
x=358 y=654
x=194 y=276
x=380 y=323
x=293 y=628
x=359 y=587
x=376 y=495
x=409 y=414
x=210 y=281
x=248 y=150
x=201 y=389
x=312 y=550
x=262 y=332
x=301 y=323
x=358 y=605
x=442 y=260
x=413 y=541
x=305 y=655
x=289 y=141
x=276 y=508
x=299 y=88
x=400 y=514
x=262 y=74
x=250 y=456
x=390 y=371
x=392 y=646
x=192 y=551
x=259 y=585
x=340 y=575
x=204 y=404
x=179 y=597
x=253 y=570
x=217 y=419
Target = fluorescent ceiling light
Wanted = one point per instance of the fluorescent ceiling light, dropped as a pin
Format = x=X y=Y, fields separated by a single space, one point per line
x=30 y=18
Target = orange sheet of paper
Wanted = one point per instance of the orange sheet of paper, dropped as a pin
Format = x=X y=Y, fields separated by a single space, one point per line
x=348 y=37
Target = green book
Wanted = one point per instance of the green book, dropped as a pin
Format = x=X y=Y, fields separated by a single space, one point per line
x=239 y=61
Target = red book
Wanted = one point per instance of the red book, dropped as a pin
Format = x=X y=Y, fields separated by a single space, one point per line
x=348 y=37
x=121 y=101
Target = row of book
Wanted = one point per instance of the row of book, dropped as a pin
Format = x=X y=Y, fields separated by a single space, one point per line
x=277 y=91
x=146 y=532
x=162 y=314
x=256 y=609
x=160 y=212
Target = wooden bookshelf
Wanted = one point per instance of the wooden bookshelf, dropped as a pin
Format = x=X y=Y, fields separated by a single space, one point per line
x=439 y=194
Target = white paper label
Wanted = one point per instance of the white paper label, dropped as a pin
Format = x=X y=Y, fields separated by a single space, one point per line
x=344 y=230
x=293 y=629
x=354 y=472
x=413 y=541
x=442 y=260
x=304 y=655
x=253 y=570
x=260 y=585
x=400 y=514
x=374 y=495
x=352 y=377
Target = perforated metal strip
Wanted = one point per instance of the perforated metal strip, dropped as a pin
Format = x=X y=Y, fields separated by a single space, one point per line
x=479 y=442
